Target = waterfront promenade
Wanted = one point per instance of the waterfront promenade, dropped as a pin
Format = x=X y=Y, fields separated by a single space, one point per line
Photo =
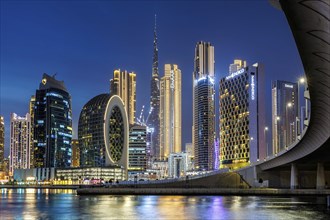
x=131 y=190
x=39 y=186
x=203 y=191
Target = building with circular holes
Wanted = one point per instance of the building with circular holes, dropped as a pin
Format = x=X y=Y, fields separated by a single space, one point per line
x=116 y=132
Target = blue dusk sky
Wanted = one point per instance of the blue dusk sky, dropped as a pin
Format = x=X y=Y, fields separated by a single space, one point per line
x=84 y=41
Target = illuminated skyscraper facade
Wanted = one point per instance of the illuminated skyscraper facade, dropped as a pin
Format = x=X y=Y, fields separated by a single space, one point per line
x=20 y=142
x=31 y=111
x=242 y=117
x=153 y=122
x=170 y=111
x=91 y=133
x=52 y=124
x=203 y=106
x=103 y=132
x=123 y=84
x=2 y=143
x=75 y=153
x=284 y=114
x=137 y=148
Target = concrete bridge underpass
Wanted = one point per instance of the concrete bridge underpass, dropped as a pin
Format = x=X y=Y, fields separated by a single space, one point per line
x=305 y=164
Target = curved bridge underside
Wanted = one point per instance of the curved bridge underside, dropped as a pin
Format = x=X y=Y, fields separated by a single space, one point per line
x=309 y=22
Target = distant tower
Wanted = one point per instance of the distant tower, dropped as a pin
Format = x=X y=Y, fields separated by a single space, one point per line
x=153 y=122
x=31 y=111
x=284 y=113
x=2 y=143
x=20 y=139
x=123 y=84
x=75 y=153
x=203 y=106
x=52 y=124
x=170 y=111
x=137 y=148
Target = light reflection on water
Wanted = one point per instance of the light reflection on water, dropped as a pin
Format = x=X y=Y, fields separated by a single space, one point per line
x=65 y=204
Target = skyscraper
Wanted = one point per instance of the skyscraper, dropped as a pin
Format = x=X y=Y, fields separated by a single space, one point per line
x=2 y=142
x=20 y=139
x=242 y=117
x=90 y=132
x=75 y=153
x=170 y=111
x=52 y=124
x=153 y=122
x=31 y=111
x=137 y=148
x=123 y=84
x=203 y=106
x=103 y=132
x=284 y=114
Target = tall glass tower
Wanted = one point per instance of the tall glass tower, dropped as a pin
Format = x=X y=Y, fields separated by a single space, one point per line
x=284 y=114
x=90 y=132
x=242 y=117
x=52 y=124
x=203 y=107
x=2 y=142
x=153 y=122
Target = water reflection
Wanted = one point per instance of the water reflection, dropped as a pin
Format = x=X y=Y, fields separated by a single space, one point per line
x=65 y=204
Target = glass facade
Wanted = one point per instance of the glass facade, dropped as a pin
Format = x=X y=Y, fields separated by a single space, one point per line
x=235 y=120
x=2 y=142
x=137 y=148
x=116 y=134
x=203 y=107
x=75 y=153
x=284 y=114
x=242 y=117
x=52 y=124
x=80 y=174
x=153 y=122
x=91 y=133
x=31 y=111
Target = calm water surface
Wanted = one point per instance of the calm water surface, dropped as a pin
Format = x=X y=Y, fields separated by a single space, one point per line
x=65 y=204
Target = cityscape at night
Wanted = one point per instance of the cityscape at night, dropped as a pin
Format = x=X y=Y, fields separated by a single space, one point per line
x=152 y=103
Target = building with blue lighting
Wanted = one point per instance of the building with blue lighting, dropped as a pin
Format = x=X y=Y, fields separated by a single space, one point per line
x=203 y=107
x=52 y=124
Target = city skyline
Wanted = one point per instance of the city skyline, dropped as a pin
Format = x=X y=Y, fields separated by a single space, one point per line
x=15 y=94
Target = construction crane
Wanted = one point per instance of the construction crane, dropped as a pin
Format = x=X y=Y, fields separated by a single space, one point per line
x=140 y=120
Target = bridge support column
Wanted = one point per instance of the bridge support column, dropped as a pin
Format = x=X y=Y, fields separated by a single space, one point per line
x=294 y=176
x=320 y=181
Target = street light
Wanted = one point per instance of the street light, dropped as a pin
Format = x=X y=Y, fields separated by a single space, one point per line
x=289 y=105
x=278 y=134
x=266 y=129
x=301 y=80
